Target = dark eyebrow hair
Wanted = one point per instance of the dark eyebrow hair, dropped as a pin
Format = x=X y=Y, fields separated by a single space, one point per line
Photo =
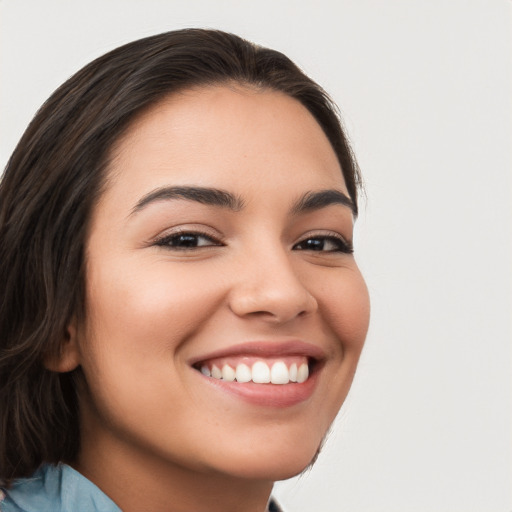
x=203 y=195
x=321 y=199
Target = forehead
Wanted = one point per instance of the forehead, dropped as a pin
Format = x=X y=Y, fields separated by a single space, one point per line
x=231 y=137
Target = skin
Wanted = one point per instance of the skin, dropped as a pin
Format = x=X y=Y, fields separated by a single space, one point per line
x=149 y=420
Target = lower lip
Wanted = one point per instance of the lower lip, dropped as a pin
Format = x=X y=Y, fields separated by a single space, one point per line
x=268 y=395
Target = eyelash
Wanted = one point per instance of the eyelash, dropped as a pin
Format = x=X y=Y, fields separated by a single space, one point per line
x=340 y=244
x=167 y=240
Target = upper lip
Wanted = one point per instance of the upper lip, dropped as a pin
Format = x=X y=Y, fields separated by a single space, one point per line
x=265 y=349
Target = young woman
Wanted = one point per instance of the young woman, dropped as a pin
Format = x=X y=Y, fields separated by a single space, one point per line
x=181 y=313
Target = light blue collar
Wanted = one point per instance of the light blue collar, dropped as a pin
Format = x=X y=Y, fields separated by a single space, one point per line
x=61 y=489
x=56 y=489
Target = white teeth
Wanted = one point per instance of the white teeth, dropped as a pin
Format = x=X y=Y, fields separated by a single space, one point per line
x=260 y=373
x=216 y=373
x=293 y=372
x=243 y=373
x=228 y=373
x=302 y=373
x=279 y=373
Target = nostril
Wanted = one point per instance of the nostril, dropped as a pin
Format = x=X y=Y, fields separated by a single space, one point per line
x=273 y=307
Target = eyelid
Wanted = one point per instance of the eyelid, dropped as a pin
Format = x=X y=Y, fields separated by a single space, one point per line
x=328 y=234
x=215 y=237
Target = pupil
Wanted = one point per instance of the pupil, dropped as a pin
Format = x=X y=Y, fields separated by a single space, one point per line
x=186 y=241
x=314 y=244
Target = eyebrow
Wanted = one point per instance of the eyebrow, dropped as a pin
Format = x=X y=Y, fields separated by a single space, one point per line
x=203 y=195
x=321 y=199
x=314 y=200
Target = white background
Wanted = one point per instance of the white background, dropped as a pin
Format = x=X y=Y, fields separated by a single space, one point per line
x=425 y=88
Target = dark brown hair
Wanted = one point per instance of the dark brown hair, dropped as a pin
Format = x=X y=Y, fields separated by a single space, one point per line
x=50 y=185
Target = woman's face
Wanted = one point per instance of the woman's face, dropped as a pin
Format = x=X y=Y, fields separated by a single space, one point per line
x=221 y=245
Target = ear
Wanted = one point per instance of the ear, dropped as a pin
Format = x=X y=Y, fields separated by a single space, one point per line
x=68 y=357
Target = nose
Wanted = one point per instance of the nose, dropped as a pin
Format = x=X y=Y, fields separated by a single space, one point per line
x=269 y=287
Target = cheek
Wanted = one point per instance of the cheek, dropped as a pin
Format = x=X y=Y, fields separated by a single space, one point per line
x=345 y=306
x=156 y=304
x=137 y=323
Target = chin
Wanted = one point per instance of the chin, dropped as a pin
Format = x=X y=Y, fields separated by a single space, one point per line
x=273 y=465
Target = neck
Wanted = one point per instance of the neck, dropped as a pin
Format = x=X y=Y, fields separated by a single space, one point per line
x=136 y=481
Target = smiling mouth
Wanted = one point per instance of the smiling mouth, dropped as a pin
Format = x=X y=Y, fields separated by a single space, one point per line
x=277 y=374
x=280 y=371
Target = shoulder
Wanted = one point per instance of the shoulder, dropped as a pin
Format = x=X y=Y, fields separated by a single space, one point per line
x=55 y=489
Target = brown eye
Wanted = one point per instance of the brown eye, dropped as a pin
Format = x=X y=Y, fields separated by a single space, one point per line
x=324 y=244
x=189 y=240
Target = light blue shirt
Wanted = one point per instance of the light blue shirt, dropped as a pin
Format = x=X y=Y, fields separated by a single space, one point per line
x=61 y=489
x=55 y=489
